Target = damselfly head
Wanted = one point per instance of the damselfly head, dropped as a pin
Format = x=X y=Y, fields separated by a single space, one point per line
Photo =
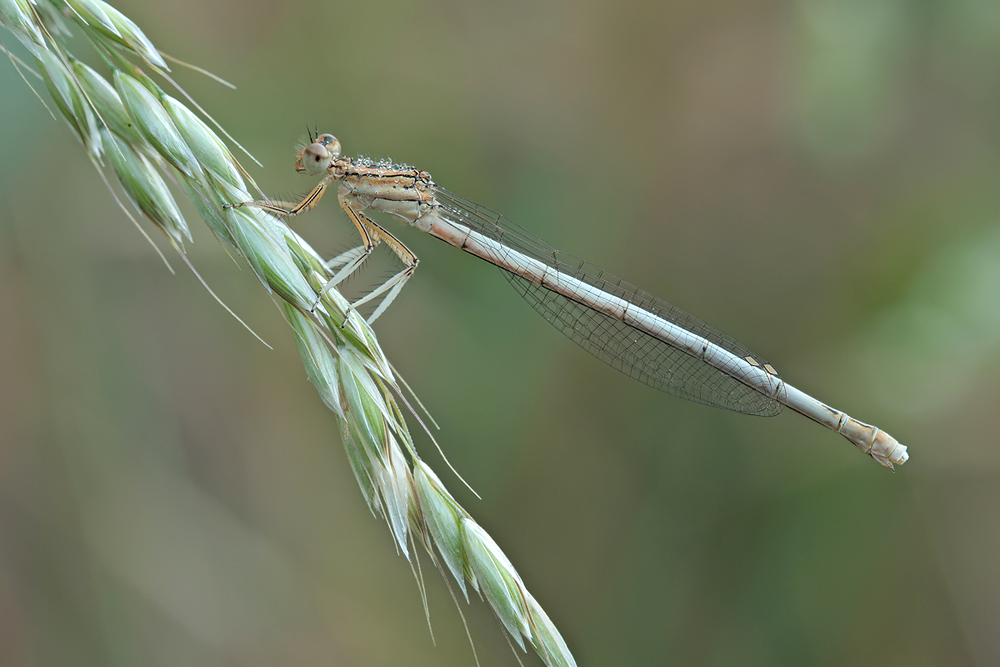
x=315 y=158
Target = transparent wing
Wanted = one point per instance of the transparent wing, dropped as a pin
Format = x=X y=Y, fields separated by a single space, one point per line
x=631 y=351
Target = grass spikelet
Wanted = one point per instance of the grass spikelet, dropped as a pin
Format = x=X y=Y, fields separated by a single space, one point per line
x=108 y=104
x=148 y=135
x=69 y=99
x=146 y=188
x=154 y=123
x=16 y=16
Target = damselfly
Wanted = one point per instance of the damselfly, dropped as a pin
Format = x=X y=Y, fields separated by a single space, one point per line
x=630 y=329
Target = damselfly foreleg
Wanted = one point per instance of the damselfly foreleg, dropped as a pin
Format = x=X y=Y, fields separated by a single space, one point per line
x=347 y=263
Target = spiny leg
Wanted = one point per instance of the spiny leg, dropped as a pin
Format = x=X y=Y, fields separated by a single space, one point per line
x=391 y=287
x=394 y=285
x=396 y=282
x=357 y=255
x=343 y=258
x=372 y=234
x=285 y=209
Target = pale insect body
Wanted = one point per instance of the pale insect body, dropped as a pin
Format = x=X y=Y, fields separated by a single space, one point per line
x=628 y=328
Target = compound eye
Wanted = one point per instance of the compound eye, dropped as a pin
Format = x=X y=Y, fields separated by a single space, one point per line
x=316 y=158
x=330 y=142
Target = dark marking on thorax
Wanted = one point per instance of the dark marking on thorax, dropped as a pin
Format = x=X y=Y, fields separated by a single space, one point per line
x=384 y=181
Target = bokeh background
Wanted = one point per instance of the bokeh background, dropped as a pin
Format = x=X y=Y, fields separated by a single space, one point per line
x=816 y=177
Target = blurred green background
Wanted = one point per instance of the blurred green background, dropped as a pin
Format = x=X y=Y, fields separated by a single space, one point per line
x=817 y=178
